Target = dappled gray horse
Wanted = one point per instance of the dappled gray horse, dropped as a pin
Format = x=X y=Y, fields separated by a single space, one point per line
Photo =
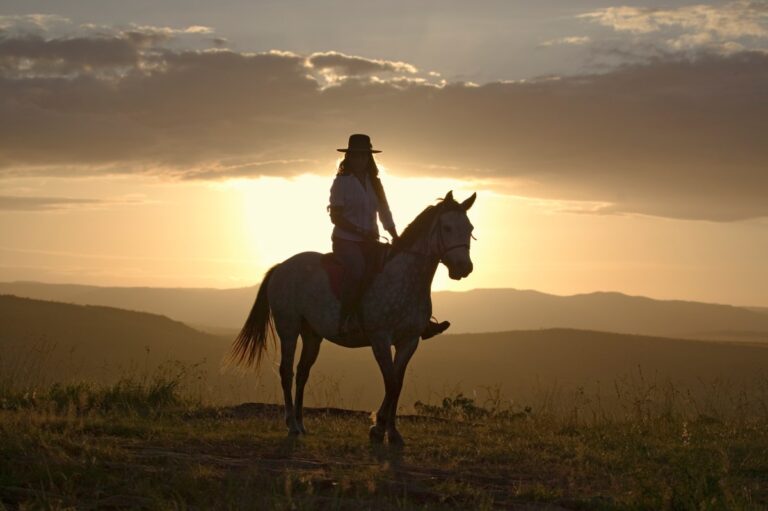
x=395 y=308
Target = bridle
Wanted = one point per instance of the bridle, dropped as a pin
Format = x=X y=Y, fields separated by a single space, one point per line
x=442 y=248
x=441 y=240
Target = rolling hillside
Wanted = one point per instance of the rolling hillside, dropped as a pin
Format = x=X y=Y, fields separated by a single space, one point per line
x=42 y=342
x=56 y=341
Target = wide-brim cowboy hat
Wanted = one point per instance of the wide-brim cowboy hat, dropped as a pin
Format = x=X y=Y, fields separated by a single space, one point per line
x=359 y=143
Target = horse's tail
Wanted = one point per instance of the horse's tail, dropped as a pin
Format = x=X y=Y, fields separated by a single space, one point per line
x=250 y=344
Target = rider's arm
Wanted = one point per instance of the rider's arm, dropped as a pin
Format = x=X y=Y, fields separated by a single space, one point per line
x=385 y=215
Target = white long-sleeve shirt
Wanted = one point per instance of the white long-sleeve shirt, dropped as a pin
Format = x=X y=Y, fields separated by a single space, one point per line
x=359 y=204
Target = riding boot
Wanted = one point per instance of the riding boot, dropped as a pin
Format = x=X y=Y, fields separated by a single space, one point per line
x=349 y=318
x=434 y=328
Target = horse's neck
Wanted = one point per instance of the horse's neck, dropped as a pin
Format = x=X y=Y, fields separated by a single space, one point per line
x=409 y=273
x=400 y=293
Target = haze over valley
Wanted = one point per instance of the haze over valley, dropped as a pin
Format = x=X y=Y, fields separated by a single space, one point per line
x=475 y=311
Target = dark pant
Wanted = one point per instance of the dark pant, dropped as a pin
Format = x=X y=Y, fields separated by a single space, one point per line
x=354 y=256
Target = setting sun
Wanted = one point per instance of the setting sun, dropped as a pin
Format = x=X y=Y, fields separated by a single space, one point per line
x=282 y=217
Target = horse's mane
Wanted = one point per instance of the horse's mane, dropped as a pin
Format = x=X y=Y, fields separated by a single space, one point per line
x=421 y=224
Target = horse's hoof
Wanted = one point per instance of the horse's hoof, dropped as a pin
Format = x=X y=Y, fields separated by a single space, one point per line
x=376 y=434
x=395 y=439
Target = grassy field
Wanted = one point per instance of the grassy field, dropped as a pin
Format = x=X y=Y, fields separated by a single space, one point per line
x=146 y=444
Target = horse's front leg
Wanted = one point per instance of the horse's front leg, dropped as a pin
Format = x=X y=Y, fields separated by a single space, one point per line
x=403 y=353
x=381 y=345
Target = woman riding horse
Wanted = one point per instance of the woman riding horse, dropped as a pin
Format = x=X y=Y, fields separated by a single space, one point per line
x=356 y=196
x=296 y=298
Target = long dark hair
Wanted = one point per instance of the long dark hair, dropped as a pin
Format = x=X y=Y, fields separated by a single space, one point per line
x=373 y=173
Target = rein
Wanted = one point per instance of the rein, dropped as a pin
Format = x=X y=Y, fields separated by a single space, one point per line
x=441 y=241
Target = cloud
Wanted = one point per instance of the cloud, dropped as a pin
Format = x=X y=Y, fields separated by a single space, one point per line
x=34 y=55
x=198 y=29
x=227 y=170
x=22 y=203
x=32 y=23
x=567 y=41
x=357 y=66
x=674 y=136
x=743 y=23
x=332 y=67
x=85 y=48
x=46 y=203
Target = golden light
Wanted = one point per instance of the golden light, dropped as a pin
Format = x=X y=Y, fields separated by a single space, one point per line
x=282 y=217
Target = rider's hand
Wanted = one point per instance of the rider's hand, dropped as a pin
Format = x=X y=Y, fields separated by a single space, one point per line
x=367 y=235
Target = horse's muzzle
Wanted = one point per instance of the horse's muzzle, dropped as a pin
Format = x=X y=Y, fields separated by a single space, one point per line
x=460 y=270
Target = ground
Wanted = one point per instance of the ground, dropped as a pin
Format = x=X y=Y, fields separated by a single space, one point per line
x=78 y=453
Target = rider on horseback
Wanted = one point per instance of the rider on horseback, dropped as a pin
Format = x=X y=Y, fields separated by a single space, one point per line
x=357 y=195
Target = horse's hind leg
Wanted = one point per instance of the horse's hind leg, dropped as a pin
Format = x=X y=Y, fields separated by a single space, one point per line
x=288 y=331
x=310 y=347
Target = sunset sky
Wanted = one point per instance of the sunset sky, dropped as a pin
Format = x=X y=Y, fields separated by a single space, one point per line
x=613 y=147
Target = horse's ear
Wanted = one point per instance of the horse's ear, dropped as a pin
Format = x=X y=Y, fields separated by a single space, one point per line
x=468 y=203
x=449 y=196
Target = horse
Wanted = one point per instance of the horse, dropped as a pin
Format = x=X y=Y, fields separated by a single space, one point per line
x=295 y=298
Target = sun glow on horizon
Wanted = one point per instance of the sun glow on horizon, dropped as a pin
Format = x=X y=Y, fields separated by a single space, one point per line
x=144 y=231
x=282 y=217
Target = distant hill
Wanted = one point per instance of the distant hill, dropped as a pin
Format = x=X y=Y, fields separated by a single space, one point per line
x=217 y=308
x=223 y=311
x=50 y=341
x=489 y=310
x=55 y=341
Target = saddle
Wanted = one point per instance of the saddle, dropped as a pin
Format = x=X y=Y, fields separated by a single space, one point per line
x=335 y=270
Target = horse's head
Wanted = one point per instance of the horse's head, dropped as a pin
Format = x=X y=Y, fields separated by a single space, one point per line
x=451 y=235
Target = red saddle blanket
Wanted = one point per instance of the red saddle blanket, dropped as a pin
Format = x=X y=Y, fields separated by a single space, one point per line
x=335 y=271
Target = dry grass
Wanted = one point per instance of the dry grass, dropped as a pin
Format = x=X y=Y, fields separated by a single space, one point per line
x=145 y=443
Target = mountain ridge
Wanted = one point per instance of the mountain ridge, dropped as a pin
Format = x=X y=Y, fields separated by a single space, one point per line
x=477 y=310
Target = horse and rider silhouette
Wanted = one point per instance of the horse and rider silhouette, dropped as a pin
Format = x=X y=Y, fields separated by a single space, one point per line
x=384 y=297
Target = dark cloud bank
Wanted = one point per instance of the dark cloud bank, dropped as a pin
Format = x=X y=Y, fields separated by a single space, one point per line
x=675 y=137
